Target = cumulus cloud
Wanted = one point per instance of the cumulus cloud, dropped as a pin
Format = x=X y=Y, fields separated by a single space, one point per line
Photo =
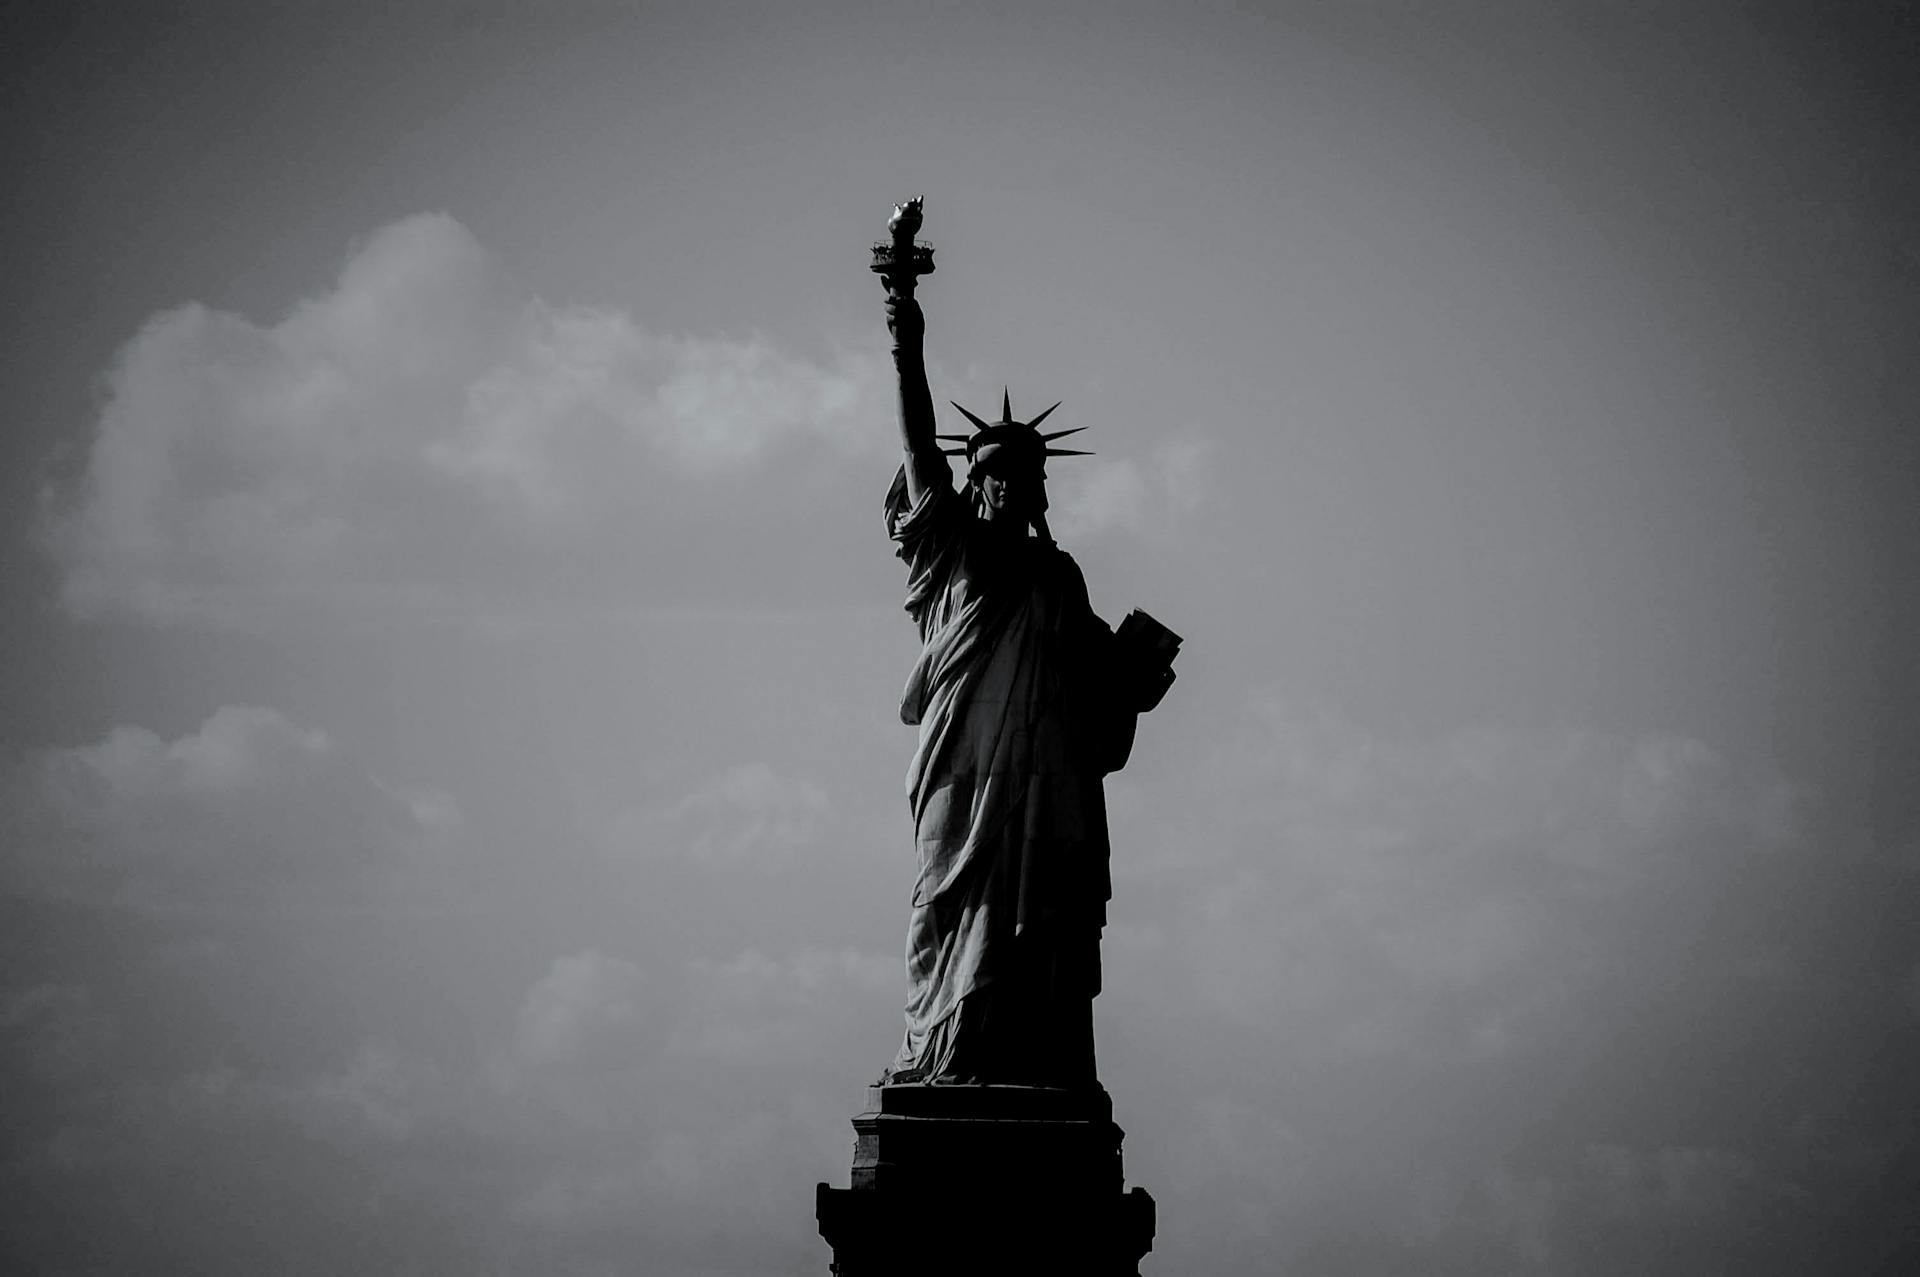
x=1360 y=896
x=189 y=1165
x=754 y=1007
x=598 y=1124
x=372 y=1099
x=748 y=811
x=628 y=1100
x=422 y=422
x=596 y=1031
x=55 y=1029
x=1502 y=989
x=1595 y=1208
x=587 y=1002
x=1689 y=1183
x=1363 y=914
x=248 y=806
x=1093 y=496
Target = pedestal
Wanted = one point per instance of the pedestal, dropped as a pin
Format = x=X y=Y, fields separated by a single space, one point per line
x=985 y=1179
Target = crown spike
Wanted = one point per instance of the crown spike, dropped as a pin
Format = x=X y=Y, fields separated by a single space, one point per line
x=977 y=423
x=1035 y=423
x=1006 y=404
x=1067 y=452
x=1051 y=435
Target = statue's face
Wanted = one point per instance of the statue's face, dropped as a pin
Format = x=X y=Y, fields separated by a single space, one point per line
x=1015 y=492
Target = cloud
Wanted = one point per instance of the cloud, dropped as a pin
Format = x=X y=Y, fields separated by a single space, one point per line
x=55 y=1030
x=1479 y=998
x=250 y=806
x=586 y=1003
x=596 y=1033
x=1372 y=983
x=628 y=1101
x=376 y=1091
x=1693 y=1184
x=1360 y=896
x=228 y=1169
x=754 y=1007
x=1599 y=1207
x=1669 y=779
x=1523 y=999
x=599 y=1124
x=1093 y=496
x=371 y=1100
x=423 y=423
x=747 y=813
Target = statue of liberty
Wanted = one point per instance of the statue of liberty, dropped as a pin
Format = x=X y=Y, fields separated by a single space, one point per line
x=1025 y=700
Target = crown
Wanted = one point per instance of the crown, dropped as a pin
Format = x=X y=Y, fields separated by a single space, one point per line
x=1008 y=432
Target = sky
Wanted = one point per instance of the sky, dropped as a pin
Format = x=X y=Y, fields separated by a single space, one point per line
x=451 y=785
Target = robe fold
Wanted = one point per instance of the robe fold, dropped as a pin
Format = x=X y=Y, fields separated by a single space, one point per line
x=1005 y=788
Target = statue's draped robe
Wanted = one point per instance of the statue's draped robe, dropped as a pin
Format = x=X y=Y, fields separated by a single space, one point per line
x=1008 y=809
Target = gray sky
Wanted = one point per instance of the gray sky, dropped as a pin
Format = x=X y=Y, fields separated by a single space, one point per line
x=453 y=815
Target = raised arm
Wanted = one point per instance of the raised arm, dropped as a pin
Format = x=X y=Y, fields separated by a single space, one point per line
x=926 y=466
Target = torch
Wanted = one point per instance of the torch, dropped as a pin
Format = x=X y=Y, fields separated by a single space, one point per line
x=900 y=261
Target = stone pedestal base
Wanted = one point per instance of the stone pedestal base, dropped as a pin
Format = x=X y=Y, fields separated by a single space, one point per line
x=985 y=1179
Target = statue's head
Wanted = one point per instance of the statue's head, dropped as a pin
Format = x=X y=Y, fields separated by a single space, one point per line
x=1009 y=474
x=1007 y=463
